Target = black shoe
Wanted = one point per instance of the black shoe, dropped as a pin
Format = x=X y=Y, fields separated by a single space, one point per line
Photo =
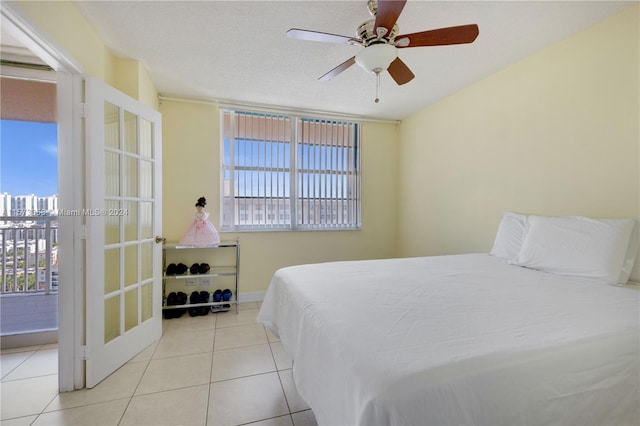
x=182 y=300
x=194 y=311
x=204 y=298
x=181 y=268
x=172 y=300
x=204 y=268
x=171 y=269
x=195 y=268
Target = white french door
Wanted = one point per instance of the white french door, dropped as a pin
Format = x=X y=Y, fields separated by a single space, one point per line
x=123 y=218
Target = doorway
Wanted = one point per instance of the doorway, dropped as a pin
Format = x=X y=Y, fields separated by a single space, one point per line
x=28 y=200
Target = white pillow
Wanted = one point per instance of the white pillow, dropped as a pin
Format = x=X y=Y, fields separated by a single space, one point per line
x=509 y=236
x=629 y=272
x=578 y=246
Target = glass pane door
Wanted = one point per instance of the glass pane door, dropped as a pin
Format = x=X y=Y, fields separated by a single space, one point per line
x=123 y=267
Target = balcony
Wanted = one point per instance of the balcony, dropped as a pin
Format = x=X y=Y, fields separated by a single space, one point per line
x=28 y=278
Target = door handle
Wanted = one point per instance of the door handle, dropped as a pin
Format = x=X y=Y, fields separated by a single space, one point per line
x=160 y=240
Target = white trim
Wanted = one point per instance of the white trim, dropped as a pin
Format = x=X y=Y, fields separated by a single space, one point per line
x=70 y=189
x=16 y=24
x=252 y=296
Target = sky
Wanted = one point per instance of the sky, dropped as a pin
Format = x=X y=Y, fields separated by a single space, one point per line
x=28 y=158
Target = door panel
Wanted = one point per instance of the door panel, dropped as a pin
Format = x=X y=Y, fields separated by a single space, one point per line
x=123 y=217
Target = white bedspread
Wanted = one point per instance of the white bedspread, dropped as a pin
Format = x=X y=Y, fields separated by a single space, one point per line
x=464 y=340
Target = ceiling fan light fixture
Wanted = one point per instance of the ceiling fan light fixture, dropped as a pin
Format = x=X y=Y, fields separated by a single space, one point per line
x=376 y=57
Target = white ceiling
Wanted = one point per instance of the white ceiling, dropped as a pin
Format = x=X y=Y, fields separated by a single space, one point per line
x=237 y=50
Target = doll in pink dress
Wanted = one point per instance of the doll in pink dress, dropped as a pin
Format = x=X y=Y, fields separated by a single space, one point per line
x=201 y=232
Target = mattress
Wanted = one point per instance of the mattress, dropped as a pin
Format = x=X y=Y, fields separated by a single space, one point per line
x=464 y=339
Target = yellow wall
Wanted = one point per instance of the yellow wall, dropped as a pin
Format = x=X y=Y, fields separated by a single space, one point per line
x=191 y=168
x=557 y=133
x=68 y=29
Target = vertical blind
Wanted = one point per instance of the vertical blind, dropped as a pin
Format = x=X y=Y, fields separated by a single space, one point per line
x=283 y=172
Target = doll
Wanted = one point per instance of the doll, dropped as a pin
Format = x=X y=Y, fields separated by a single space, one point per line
x=201 y=232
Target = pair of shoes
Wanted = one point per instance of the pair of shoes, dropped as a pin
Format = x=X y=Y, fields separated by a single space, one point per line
x=221 y=296
x=178 y=269
x=174 y=299
x=199 y=268
x=198 y=297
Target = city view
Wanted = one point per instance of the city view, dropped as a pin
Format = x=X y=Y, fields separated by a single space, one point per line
x=28 y=208
x=28 y=243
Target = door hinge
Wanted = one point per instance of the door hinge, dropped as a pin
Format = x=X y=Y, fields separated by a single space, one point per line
x=84 y=353
x=83 y=109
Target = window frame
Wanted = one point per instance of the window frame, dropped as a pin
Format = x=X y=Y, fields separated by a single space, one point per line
x=290 y=202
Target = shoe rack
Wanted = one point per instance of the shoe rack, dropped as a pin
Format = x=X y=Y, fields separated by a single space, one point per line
x=199 y=280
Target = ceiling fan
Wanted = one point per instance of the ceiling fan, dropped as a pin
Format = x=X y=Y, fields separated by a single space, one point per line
x=380 y=39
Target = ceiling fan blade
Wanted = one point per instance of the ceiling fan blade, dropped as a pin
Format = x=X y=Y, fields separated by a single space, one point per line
x=440 y=37
x=319 y=36
x=337 y=70
x=388 y=13
x=400 y=72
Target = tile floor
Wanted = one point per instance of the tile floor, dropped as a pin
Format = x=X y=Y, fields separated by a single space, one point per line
x=219 y=369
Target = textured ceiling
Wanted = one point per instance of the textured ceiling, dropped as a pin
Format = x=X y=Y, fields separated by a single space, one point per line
x=237 y=50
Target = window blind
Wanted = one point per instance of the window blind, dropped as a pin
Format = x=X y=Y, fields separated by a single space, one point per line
x=283 y=172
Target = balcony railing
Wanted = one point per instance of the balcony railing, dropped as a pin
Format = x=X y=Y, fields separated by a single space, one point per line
x=29 y=254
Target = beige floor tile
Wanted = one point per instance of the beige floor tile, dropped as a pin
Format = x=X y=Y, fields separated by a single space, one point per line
x=146 y=354
x=304 y=418
x=231 y=319
x=25 y=397
x=240 y=362
x=276 y=421
x=187 y=406
x=188 y=323
x=9 y=361
x=247 y=305
x=104 y=413
x=295 y=401
x=176 y=372
x=121 y=384
x=41 y=363
x=184 y=343
x=245 y=400
x=283 y=360
x=20 y=421
x=243 y=335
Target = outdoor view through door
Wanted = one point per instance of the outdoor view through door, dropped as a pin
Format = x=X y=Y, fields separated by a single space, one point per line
x=28 y=206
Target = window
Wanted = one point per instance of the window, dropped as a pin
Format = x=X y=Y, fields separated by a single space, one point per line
x=292 y=167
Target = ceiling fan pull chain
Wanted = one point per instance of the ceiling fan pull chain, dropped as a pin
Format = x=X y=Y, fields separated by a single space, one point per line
x=377 y=86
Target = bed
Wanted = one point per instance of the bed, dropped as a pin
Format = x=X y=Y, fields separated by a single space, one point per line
x=469 y=339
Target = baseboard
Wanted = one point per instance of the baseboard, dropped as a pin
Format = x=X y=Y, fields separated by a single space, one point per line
x=252 y=296
x=39 y=338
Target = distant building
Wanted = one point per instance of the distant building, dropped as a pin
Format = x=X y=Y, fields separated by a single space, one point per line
x=28 y=205
x=28 y=243
x=5 y=204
